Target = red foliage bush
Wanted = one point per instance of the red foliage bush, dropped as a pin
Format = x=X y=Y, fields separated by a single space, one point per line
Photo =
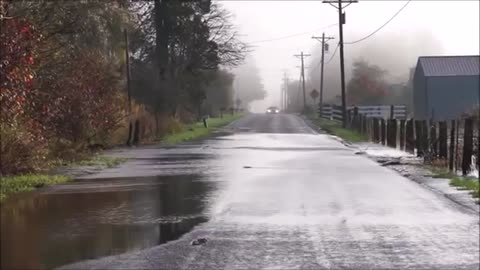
x=83 y=102
x=73 y=99
x=17 y=50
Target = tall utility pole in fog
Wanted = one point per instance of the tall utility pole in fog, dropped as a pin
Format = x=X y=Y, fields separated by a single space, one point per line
x=302 y=56
x=285 y=91
x=323 y=38
x=341 y=22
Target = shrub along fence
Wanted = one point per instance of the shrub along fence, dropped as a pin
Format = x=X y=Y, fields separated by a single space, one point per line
x=453 y=144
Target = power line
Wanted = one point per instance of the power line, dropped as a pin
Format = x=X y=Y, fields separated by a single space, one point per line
x=293 y=35
x=373 y=33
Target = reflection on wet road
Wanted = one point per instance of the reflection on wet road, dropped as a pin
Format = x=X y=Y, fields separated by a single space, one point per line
x=274 y=199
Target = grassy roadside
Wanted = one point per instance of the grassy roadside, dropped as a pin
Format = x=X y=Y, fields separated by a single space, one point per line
x=100 y=161
x=28 y=182
x=198 y=131
x=471 y=184
x=335 y=128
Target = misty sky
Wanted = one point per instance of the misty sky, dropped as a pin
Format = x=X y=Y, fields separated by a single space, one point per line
x=452 y=25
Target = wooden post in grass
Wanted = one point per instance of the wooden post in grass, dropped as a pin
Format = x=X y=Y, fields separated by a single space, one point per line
x=355 y=119
x=424 y=136
x=409 y=137
x=347 y=125
x=442 y=140
x=365 y=124
x=136 y=132
x=382 y=130
x=433 y=140
x=467 y=146
x=393 y=133
x=375 y=130
x=418 y=138
x=452 y=147
x=389 y=131
x=402 y=134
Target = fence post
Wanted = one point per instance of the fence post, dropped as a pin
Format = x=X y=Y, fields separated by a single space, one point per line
x=355 y=118
x=392 y=133
x=402 y=134
x=365 y=124
x=467 y=146
x=433 y=140
x=382 y=131
x=418 y=138
x=388 y=123
x=410 y=137
x=442 y=140
x=375 y=130
x=424 y=139
x=452 y=146
x=349 y=118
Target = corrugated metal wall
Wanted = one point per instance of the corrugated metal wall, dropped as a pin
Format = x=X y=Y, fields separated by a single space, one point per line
x=450 y=97
x=444 y=98
x=419 y=97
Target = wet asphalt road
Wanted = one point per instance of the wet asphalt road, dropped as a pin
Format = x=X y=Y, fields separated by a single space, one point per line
x=271 y=195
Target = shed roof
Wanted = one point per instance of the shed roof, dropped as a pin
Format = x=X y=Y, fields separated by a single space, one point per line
x=462 y=65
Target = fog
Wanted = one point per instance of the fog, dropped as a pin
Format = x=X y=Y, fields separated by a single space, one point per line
x=277 y=30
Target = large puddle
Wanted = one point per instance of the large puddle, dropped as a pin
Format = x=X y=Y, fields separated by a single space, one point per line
x=46 y=230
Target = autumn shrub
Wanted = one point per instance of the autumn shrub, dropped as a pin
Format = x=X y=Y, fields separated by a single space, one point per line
x=21 y=150
x=23 y=146
x=83 y=102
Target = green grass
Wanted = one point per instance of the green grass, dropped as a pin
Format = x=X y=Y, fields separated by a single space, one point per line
x=335 y=128
x=14 y=184
x=100 y=161
x=472 y=184
x=197 y=130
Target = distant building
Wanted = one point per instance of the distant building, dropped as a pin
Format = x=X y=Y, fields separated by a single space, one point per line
x=445 y=87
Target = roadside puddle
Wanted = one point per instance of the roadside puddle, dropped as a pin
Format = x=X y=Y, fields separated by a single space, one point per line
x=49 y=229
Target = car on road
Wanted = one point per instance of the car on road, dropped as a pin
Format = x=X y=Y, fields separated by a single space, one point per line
x=273 y=109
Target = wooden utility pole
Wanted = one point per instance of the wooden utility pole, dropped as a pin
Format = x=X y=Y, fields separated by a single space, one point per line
x=323 y=39
x=285 y=91
x=302 y=56
x=341 y=22
x=129 y=96
x=127 y=62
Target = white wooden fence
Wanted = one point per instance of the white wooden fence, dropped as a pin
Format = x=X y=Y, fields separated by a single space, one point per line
x=334 y=112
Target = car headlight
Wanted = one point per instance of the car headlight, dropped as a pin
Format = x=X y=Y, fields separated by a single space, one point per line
x=277 y=111
x=269 y=111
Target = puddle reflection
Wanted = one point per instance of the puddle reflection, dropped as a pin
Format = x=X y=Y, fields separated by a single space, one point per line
x=49 y=230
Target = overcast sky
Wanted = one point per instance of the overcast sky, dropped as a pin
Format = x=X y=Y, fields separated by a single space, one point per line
x=453 y=24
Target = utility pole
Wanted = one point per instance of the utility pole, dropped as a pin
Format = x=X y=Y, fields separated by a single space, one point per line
x=286 y=94
x=302 y=56
x=323 y=38
x=127 y=62
x=285 y=91
x=341 y=22
x=282 y=96
x=129 y=95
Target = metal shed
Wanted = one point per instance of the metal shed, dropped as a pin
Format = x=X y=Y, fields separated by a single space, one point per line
x=445 y=87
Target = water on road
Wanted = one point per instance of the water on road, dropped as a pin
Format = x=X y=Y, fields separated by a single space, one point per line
x=274 y=194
